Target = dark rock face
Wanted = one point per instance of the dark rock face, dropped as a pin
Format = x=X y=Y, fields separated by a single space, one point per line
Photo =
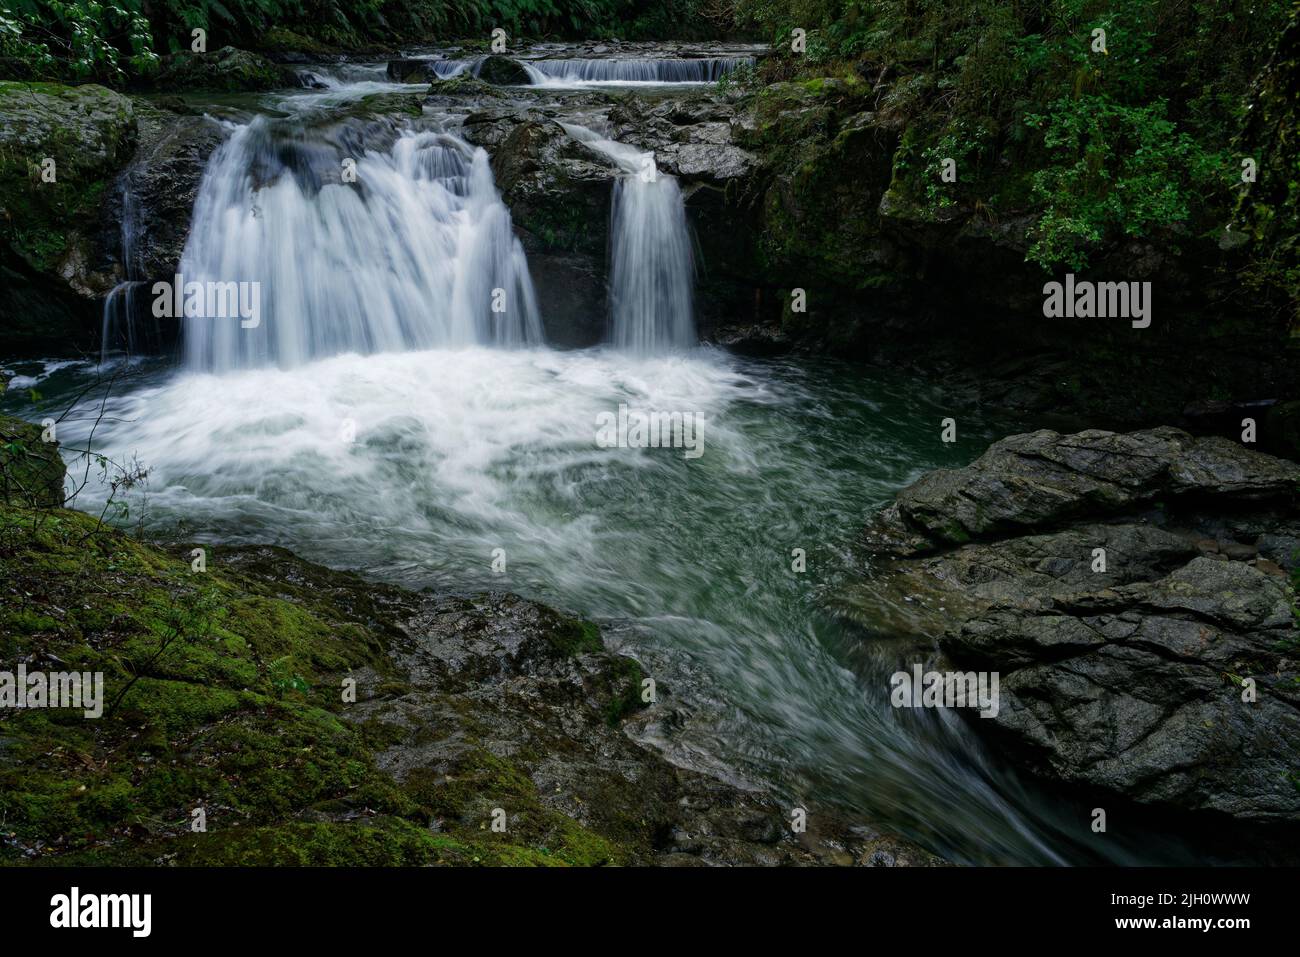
x=162 y=183
x=1162 y=668
x=559 y=194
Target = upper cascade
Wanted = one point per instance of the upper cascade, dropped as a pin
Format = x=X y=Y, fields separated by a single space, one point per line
x=676 y=70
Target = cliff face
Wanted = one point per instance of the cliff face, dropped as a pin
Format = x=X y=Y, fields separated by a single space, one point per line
x=1269 y=212
x=838 y=209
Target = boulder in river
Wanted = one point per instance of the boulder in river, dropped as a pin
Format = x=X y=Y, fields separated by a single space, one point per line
x=502 y=71
x=1131 y=590
x=228 y=70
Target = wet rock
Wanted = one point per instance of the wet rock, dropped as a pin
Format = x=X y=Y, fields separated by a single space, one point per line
x=497 y=701
x=1122 y=587
x=559 y=193
x=1041 y=478
x=502 y=71
x=161 y=185
x=410 y=71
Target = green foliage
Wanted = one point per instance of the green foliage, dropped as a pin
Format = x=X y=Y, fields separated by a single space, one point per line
x=1130 y=141
x=109 y=41
x=83 y=38
x=1113 y=170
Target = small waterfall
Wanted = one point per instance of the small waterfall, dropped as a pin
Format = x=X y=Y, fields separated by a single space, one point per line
x=695 y=70
x=417 y=253
x=446 y=69
x=128 y=326
x=652 y=269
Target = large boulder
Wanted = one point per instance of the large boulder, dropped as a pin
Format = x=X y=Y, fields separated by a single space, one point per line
x=1131 y=590
x=60 y=149
x=228 y=70
x=1042 y=478
x=502 y=71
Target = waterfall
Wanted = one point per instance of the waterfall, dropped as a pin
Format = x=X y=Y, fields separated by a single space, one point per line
x=413 y=252
x=652 y=269
x=695 y=70
x=127 y=325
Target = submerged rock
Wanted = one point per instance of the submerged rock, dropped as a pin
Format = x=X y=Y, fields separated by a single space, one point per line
x=1130 y=590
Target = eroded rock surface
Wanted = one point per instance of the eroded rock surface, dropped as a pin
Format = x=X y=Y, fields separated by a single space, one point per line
x=1133 y=592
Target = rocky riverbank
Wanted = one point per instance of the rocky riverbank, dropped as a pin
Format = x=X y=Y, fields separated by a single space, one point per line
x=307 y=716
x=1136 y=594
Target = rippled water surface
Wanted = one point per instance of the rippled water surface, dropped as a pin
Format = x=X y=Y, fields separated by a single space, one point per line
x=416 y=467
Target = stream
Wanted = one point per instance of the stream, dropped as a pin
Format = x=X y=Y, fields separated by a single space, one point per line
x=383 y=417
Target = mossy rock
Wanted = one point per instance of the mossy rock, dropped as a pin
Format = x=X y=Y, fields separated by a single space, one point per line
x=503 y=71
x=228 y=70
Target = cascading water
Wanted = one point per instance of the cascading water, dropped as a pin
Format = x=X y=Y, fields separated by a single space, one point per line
x=694 y=70
x=652 y=270
x=417 y=253
x=684 y=563
x=127 y=325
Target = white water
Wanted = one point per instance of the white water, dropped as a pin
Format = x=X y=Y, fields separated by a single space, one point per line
x=553 y=72
x=407 y=257
x=652 y=269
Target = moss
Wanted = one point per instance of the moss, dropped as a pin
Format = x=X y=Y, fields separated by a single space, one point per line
x=625 y=691
x=575 y=637
x=31 y=471
x=282 y=777
x=282 y=40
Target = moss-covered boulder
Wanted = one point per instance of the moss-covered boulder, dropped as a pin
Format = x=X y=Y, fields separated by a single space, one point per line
x=60 y=149
x=228 y=70
x=502 y=71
